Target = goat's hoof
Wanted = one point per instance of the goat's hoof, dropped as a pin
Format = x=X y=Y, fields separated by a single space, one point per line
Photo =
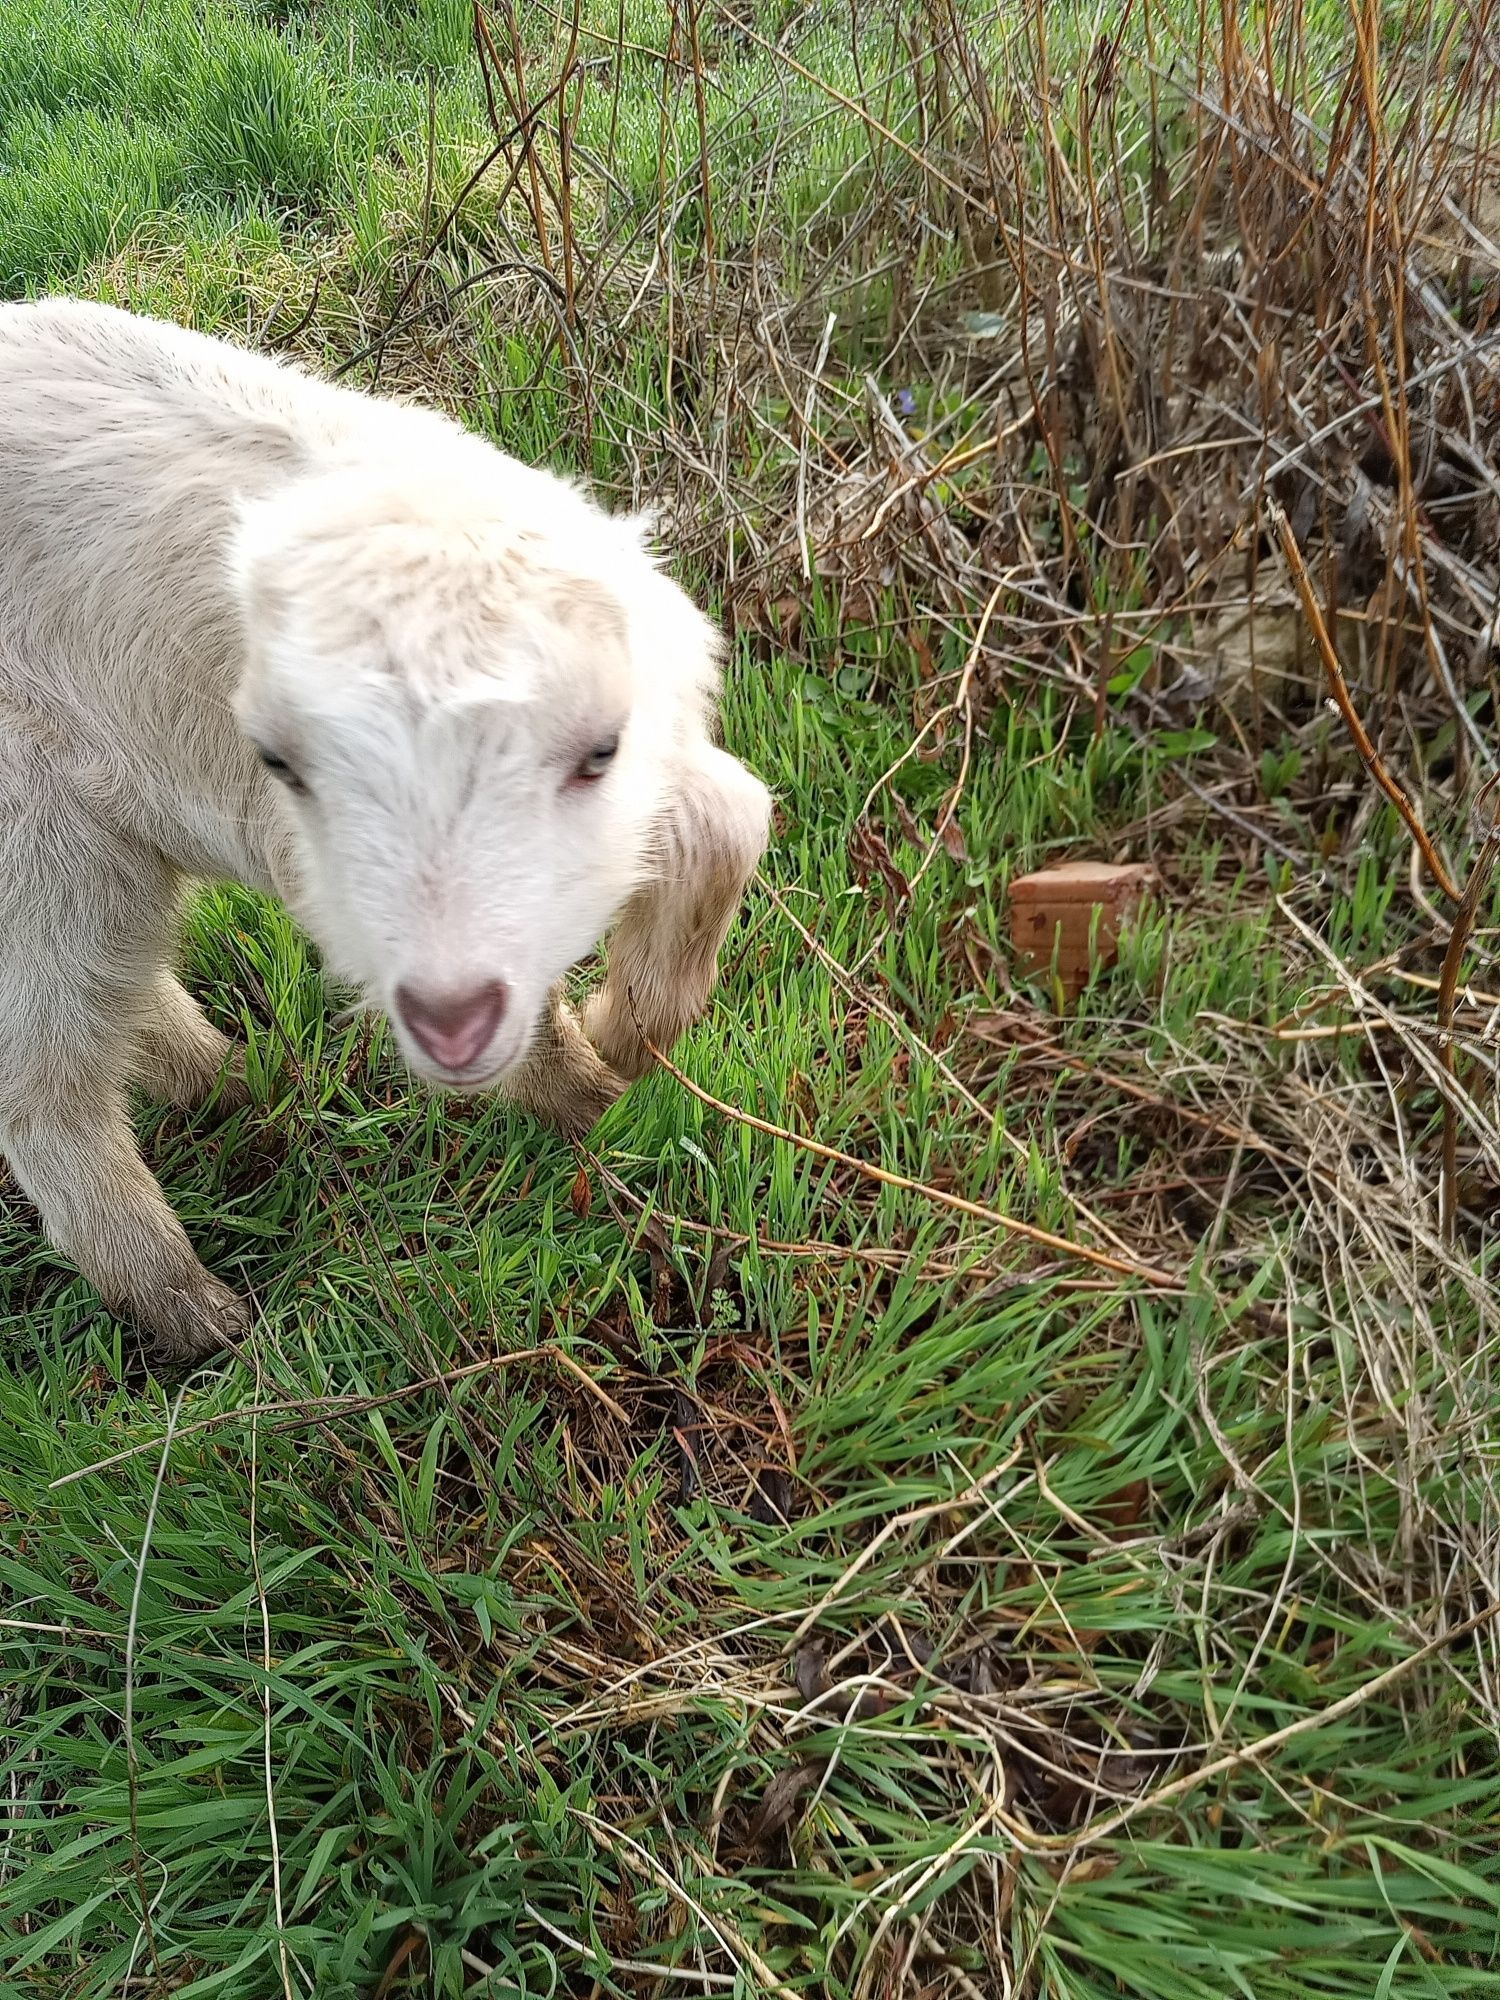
x=191 y=1322
x=566 y=1084
x=578 y=1099
x=587 y=1104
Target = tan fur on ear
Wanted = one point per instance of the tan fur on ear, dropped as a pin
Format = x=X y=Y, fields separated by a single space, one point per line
x=664 y=952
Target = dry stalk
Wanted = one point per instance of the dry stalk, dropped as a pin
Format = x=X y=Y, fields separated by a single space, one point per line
x=1125 y=1267
x=298 y=1414
x=1249 y=1753
x=1463 y=926
x=1373 y=761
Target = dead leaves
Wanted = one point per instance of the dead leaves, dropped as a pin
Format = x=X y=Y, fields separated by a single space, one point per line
x=780 y=1801
x=875 y=865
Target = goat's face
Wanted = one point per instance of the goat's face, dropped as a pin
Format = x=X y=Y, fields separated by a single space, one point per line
x=472 y=721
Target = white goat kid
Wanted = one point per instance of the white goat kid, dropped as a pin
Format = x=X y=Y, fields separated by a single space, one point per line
x=254 y=627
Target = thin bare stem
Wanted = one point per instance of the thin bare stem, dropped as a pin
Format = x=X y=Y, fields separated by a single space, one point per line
x=1458 y=940
x=1125 y=1267
x=1251 y=1753
x=322 y=1409
x=1373 y=761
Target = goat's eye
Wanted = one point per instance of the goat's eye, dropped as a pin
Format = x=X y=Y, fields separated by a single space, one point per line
x=593 y=767
x=279 y=768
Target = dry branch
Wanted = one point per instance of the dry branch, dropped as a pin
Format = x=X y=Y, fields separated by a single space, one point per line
x=1125 y=1267
x=299 y=1413
x=1373 y=761
x=1463 y=926
x=1252 y=1753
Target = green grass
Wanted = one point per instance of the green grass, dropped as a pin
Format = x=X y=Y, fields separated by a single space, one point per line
x=481 y=1685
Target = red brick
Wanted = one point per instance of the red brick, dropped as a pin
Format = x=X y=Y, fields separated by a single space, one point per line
x=1057 y=905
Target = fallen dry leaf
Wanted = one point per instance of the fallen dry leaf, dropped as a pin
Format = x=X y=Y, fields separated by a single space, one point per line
x=778 y=1807
x=809 y=1669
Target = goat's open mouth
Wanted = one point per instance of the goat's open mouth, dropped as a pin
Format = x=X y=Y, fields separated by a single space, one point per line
x=481 y=1075
x=487 y=1069
x=460 y=1062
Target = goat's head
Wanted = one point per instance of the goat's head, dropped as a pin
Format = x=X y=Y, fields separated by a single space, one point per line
x=471 y=686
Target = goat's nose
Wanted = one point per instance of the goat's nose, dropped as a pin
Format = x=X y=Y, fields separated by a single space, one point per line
x=454 y=1028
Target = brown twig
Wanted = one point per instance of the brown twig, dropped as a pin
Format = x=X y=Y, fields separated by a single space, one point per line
x=516 y=98
x=933 y=1270
x=1463 y=925
x=1233 y=1134
x=1339 y=688
x=1467 y=900
x=1250 y=1753
x=484 y=50
x=857 y=110
x=1125 y=1267
x=522 y=130
x=320 y=1409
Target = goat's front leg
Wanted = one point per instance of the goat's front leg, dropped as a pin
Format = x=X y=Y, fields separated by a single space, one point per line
x=664 y=952
x=181 y=1058
x=70 y=1145
x=85 y=921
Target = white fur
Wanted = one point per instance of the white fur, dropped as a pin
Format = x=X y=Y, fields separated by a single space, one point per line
x=204 y=550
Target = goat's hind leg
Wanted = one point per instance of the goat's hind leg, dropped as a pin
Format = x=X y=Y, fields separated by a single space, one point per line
x=664 y=953
x=181 y=1058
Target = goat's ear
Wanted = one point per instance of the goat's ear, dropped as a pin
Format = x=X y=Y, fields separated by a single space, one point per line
x=640 y=531
x=664 y=953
